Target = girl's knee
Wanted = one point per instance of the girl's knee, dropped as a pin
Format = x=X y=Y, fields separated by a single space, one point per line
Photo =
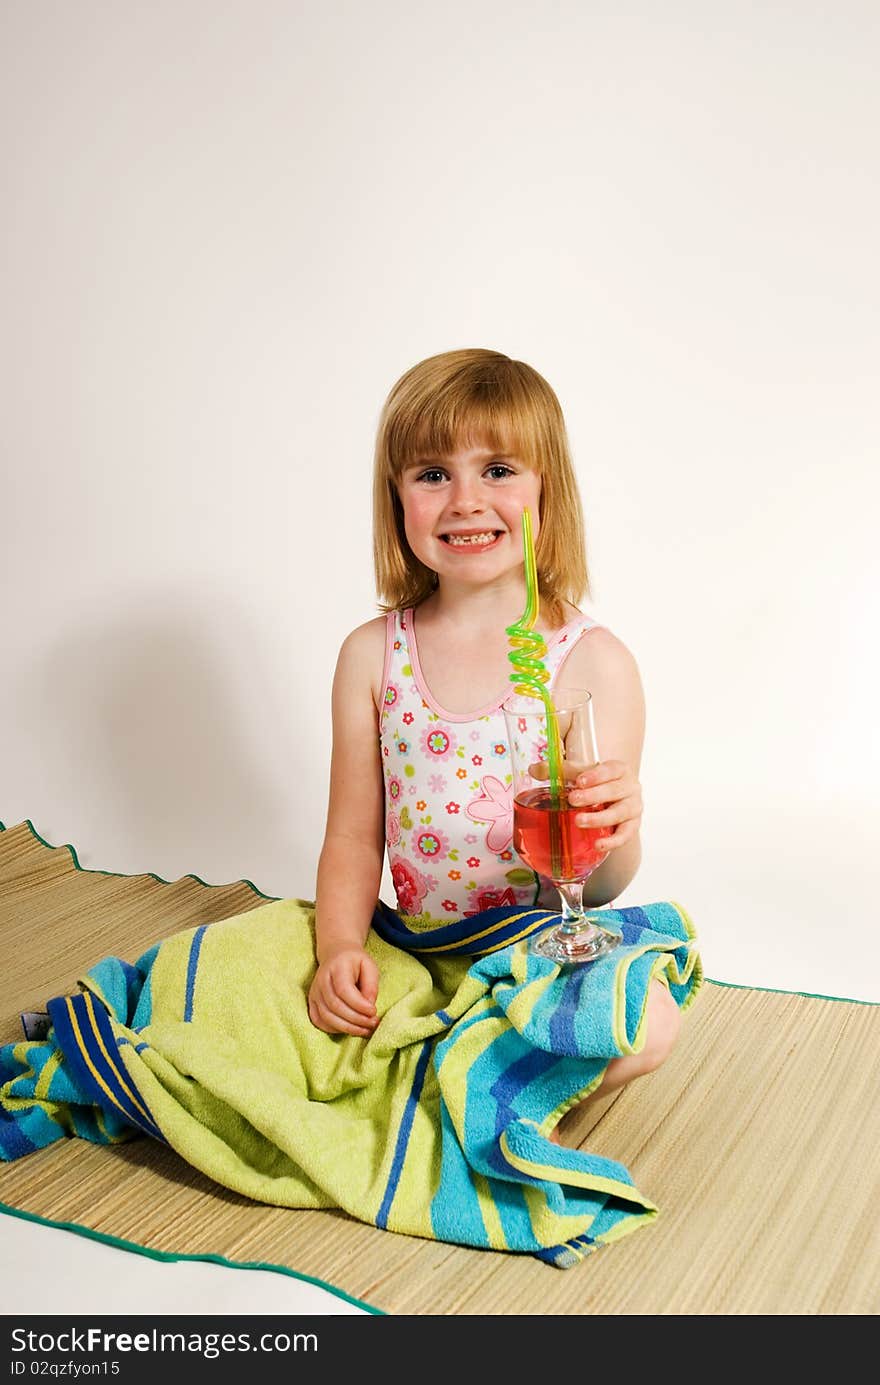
x=663 y=1024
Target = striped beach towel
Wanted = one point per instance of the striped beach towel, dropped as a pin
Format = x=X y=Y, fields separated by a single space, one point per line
x=436 y=1126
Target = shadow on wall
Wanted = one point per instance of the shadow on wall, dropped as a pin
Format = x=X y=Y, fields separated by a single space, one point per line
x=149 y=749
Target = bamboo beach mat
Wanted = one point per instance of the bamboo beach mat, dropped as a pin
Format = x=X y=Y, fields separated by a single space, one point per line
x=757 y=1139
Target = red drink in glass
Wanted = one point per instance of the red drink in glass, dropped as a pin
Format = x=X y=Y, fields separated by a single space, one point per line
x=541 y=832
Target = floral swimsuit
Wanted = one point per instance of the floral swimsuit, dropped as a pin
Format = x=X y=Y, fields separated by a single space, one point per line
x=449 y=791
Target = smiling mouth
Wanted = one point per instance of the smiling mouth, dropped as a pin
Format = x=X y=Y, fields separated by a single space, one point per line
x=480 y=540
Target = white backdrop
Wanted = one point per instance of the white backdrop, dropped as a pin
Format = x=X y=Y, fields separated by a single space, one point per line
x=228 y=230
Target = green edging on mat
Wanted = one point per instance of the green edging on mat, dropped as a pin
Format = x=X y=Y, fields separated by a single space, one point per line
x=170 y=1257
x=776 y=990
x=124 y=875
x=730 y=985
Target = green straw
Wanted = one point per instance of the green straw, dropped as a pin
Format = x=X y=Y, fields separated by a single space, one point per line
x=527 y=656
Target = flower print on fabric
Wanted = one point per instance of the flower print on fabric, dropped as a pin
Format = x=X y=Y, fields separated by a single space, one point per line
x=410 y=885
x=394 y=789
x=437 y=742
x=430 y=843
x=489 y=899
x=495 y=807
x=392 y=829
x=392 y=695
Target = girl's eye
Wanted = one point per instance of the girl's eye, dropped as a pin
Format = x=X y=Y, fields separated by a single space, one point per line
x=498 y=471
x=433 y=474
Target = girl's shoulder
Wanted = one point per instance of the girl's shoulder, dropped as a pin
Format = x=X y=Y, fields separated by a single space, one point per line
x=362 y=644
x=362 y=655
x=598 y=655
x=366 y=635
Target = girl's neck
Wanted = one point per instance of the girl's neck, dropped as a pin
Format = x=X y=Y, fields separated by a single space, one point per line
x=484 y=610
x=461 y=649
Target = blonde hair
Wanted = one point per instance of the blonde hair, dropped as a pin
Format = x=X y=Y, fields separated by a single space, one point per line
x=464 y=398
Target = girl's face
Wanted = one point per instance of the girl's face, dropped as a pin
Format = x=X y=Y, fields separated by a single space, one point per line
x=463 y=513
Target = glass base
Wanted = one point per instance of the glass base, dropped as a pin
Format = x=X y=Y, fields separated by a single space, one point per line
x=584 y=944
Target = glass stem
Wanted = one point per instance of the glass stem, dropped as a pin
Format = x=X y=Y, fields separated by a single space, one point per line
x=571 y=894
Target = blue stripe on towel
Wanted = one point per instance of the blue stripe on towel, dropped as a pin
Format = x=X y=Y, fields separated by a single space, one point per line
x=403 y=1133
x=509 y=1086
x=13 y=1141
x=562 y=1022
x=85 y=1036
x=496 y=1078
x=569 y=1253
x=192 y=968
x=455 y=1209
x=633 y=921
x=516 y=1072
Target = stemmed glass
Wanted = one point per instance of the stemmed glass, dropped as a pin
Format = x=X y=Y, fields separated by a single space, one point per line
x=545 y=834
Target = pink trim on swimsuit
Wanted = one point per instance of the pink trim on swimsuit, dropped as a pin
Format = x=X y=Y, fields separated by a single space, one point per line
x=496 y=703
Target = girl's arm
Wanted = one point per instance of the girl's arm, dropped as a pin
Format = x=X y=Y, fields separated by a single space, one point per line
x=603 y=664
x=350 y=865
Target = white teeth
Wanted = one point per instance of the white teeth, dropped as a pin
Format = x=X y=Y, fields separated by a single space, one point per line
x=461 y=540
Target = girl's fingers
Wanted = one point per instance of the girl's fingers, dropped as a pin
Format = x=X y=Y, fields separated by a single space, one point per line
x=603 y=773
x=369 y=982
x=607 y=817
x=606 y=782
x=615 y=791
x=617 y=838
x=349 y=996
x=338 y=1026
x=345 y=984
x=335 y=1009
x=345 y=1014
x=606 y=791
x=358 y=1031
x=626 y=810
x=332 y=1023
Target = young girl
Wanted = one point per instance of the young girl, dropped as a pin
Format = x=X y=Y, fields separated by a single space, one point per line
x=467 y=439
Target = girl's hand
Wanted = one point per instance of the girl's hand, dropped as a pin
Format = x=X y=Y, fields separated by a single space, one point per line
x=613 y=785
x=342 y=996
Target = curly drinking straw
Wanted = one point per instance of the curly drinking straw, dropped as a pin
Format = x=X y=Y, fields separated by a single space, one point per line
x=531 y=677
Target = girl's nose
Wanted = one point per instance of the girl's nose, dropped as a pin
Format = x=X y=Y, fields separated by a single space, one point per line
x=467 y=496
